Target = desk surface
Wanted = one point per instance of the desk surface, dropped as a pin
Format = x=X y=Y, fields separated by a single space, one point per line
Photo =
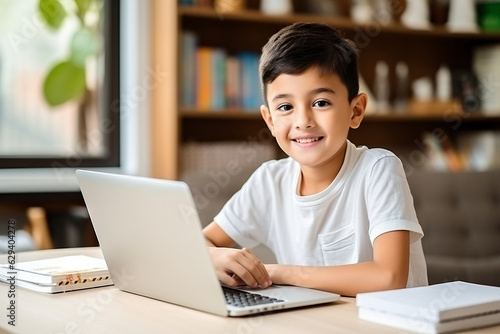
x=108 y=309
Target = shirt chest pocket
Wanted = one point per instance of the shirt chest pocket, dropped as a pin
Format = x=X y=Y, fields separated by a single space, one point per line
x=338 y=247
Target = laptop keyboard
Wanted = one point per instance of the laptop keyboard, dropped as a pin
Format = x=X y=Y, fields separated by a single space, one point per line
x=240 y=298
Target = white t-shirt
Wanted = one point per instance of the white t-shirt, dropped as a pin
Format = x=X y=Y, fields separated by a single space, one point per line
x=370 y=196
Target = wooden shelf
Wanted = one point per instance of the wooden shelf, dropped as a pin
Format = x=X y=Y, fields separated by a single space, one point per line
x=256 y=16
x=414 y=117
x=424 y=51
x=391 y=116
x=220 y=114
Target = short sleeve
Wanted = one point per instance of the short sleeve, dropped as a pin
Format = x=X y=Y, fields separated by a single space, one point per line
x=389 y=201
x=242 y=215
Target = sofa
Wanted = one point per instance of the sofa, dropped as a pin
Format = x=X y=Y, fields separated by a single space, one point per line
x=459 y=213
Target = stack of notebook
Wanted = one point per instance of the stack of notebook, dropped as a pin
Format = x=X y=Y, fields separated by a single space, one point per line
x=436 y=308
x=60 y=274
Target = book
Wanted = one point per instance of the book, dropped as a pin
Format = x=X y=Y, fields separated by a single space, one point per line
x=480 y=149
x=434 y=152
x=218 y=77
x=55 y=288
x=435 y=308
x=213 y=80
x=186 y=2
x=59 y=274
x=250 y=86
x=233 y=82
x=470 y=151
x=453 y=158
x=204 y=78
x=189 y=41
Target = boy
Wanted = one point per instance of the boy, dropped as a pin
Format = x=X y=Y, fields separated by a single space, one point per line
x=338 y=218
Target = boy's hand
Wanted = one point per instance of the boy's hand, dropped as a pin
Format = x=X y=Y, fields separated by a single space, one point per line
x=239 y=267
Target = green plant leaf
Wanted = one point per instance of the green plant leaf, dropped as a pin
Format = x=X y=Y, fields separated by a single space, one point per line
x=83 y=44
x=53 y=12
x=65 y=81
x=83 y=6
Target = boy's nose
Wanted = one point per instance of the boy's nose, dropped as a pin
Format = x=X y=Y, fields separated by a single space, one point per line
x=304 y=118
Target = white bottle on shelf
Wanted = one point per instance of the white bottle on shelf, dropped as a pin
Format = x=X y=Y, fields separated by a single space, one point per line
x=443 y=84
x=276 y=7
x=401 y=100
x=382 y=12
x=361 y=11
x=381 y=86
x=416 y=14
x=462 y=16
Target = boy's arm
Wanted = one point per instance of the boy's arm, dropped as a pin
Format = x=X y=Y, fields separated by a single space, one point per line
x=234 y=266
x=388 y=270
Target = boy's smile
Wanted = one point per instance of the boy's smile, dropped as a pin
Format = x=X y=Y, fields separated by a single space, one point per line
x=310 y=116
x=307 y=140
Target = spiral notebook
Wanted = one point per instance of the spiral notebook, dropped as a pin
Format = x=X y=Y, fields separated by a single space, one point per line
x=59 y=274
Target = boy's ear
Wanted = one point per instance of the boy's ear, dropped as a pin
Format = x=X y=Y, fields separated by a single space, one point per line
x=266 y=115
x=358 y=107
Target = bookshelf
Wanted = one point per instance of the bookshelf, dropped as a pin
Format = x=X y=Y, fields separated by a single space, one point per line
x=423 y=50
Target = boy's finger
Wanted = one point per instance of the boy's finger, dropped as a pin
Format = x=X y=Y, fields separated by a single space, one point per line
x=244 y=274
x=238 y=280
x=260 y=266
x=255 y=268
x=230 y=279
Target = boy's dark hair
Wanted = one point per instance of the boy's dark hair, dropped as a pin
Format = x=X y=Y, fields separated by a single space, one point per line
x=299 y=46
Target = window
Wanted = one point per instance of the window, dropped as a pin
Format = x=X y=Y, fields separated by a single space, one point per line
x=83 y=132
x=39 y=146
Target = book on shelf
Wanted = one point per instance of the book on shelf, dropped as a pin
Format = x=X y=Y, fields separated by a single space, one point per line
x=250 y=86
x=233 y=84
x=203 y=78
x=441 y=153
x=210 y=79
x=61 y=274
x=218 y=84
x=186 y=2
x=197 y=3
x=480 y=149
x=435 y=308
x=213 y=80
x=189 y=42
x=470 y=151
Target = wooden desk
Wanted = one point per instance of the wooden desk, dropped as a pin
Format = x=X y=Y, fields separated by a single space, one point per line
x=108 y=310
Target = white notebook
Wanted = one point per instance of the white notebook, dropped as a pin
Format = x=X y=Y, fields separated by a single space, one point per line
x=433 y=309
x=59 y=274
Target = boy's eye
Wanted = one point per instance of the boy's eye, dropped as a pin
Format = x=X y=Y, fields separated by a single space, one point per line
x=285 y=107
x=321 y=103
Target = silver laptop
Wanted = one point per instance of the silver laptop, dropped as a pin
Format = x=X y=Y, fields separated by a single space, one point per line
x=151 y=238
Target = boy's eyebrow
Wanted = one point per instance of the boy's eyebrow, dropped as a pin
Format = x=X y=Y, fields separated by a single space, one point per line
x=323 y=90
x=313 y=92
x=280 y=96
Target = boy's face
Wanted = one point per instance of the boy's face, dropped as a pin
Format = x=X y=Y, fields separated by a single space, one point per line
x=310 y=116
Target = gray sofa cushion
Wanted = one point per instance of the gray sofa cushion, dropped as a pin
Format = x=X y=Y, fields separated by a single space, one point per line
x=460 y=216
x=210 y=196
